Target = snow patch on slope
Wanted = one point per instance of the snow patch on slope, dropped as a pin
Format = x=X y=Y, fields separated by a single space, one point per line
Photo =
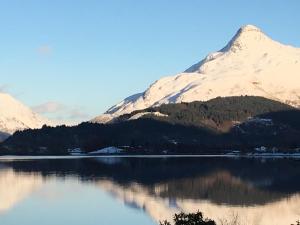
x=139 y=115
x=108 y=150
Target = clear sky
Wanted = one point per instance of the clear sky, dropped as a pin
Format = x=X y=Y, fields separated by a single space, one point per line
x=72 y=59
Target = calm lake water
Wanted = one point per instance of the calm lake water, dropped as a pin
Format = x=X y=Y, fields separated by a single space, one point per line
x=142 y=191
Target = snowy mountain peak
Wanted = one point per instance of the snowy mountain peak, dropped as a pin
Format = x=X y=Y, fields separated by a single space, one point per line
x=250 y=64
x=248 y=30
x=249 y=27
x=248 y=40
x=247 y=37
x=16 y=116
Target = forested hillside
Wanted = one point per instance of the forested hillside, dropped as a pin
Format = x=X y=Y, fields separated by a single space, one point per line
x=214 y=114
x=199 y=127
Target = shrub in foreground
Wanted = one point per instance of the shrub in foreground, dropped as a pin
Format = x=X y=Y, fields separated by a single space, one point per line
x=189 y=219
x=197 y=219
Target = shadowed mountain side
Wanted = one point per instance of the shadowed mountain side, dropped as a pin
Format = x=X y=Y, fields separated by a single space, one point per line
x=288 y=117
x=3 y=136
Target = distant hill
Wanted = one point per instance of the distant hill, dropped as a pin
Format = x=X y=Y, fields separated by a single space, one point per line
x=217 y=115
x=213 y=126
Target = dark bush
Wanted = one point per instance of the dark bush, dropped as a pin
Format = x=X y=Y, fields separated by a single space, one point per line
x=189 y=219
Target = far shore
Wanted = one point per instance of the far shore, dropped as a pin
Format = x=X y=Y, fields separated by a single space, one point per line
x=37 y=157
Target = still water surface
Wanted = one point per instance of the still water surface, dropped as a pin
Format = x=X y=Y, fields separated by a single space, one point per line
x=142 y=191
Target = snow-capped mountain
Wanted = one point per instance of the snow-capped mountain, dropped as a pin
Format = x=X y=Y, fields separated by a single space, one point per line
x=250 y=64
x=16 y=116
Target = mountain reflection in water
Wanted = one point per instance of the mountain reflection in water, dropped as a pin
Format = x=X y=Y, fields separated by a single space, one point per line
x=259 y=192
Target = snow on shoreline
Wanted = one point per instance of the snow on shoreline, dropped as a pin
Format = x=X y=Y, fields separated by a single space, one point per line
x=108 y=150
x=139 y=115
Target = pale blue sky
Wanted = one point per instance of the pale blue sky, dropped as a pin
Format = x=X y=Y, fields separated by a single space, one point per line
x=84 y=55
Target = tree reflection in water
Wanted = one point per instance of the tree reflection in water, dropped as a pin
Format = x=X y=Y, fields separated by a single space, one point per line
x=259 y=192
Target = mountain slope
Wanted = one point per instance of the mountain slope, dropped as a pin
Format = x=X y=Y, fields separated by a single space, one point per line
x=16 y=116
x=250 y=64
x=218 y=115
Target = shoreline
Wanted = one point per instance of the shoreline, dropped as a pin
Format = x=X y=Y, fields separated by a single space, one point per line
x=249 y=156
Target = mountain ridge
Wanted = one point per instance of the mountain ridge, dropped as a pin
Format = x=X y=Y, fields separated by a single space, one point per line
x=250 y=64
x=16 y=116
